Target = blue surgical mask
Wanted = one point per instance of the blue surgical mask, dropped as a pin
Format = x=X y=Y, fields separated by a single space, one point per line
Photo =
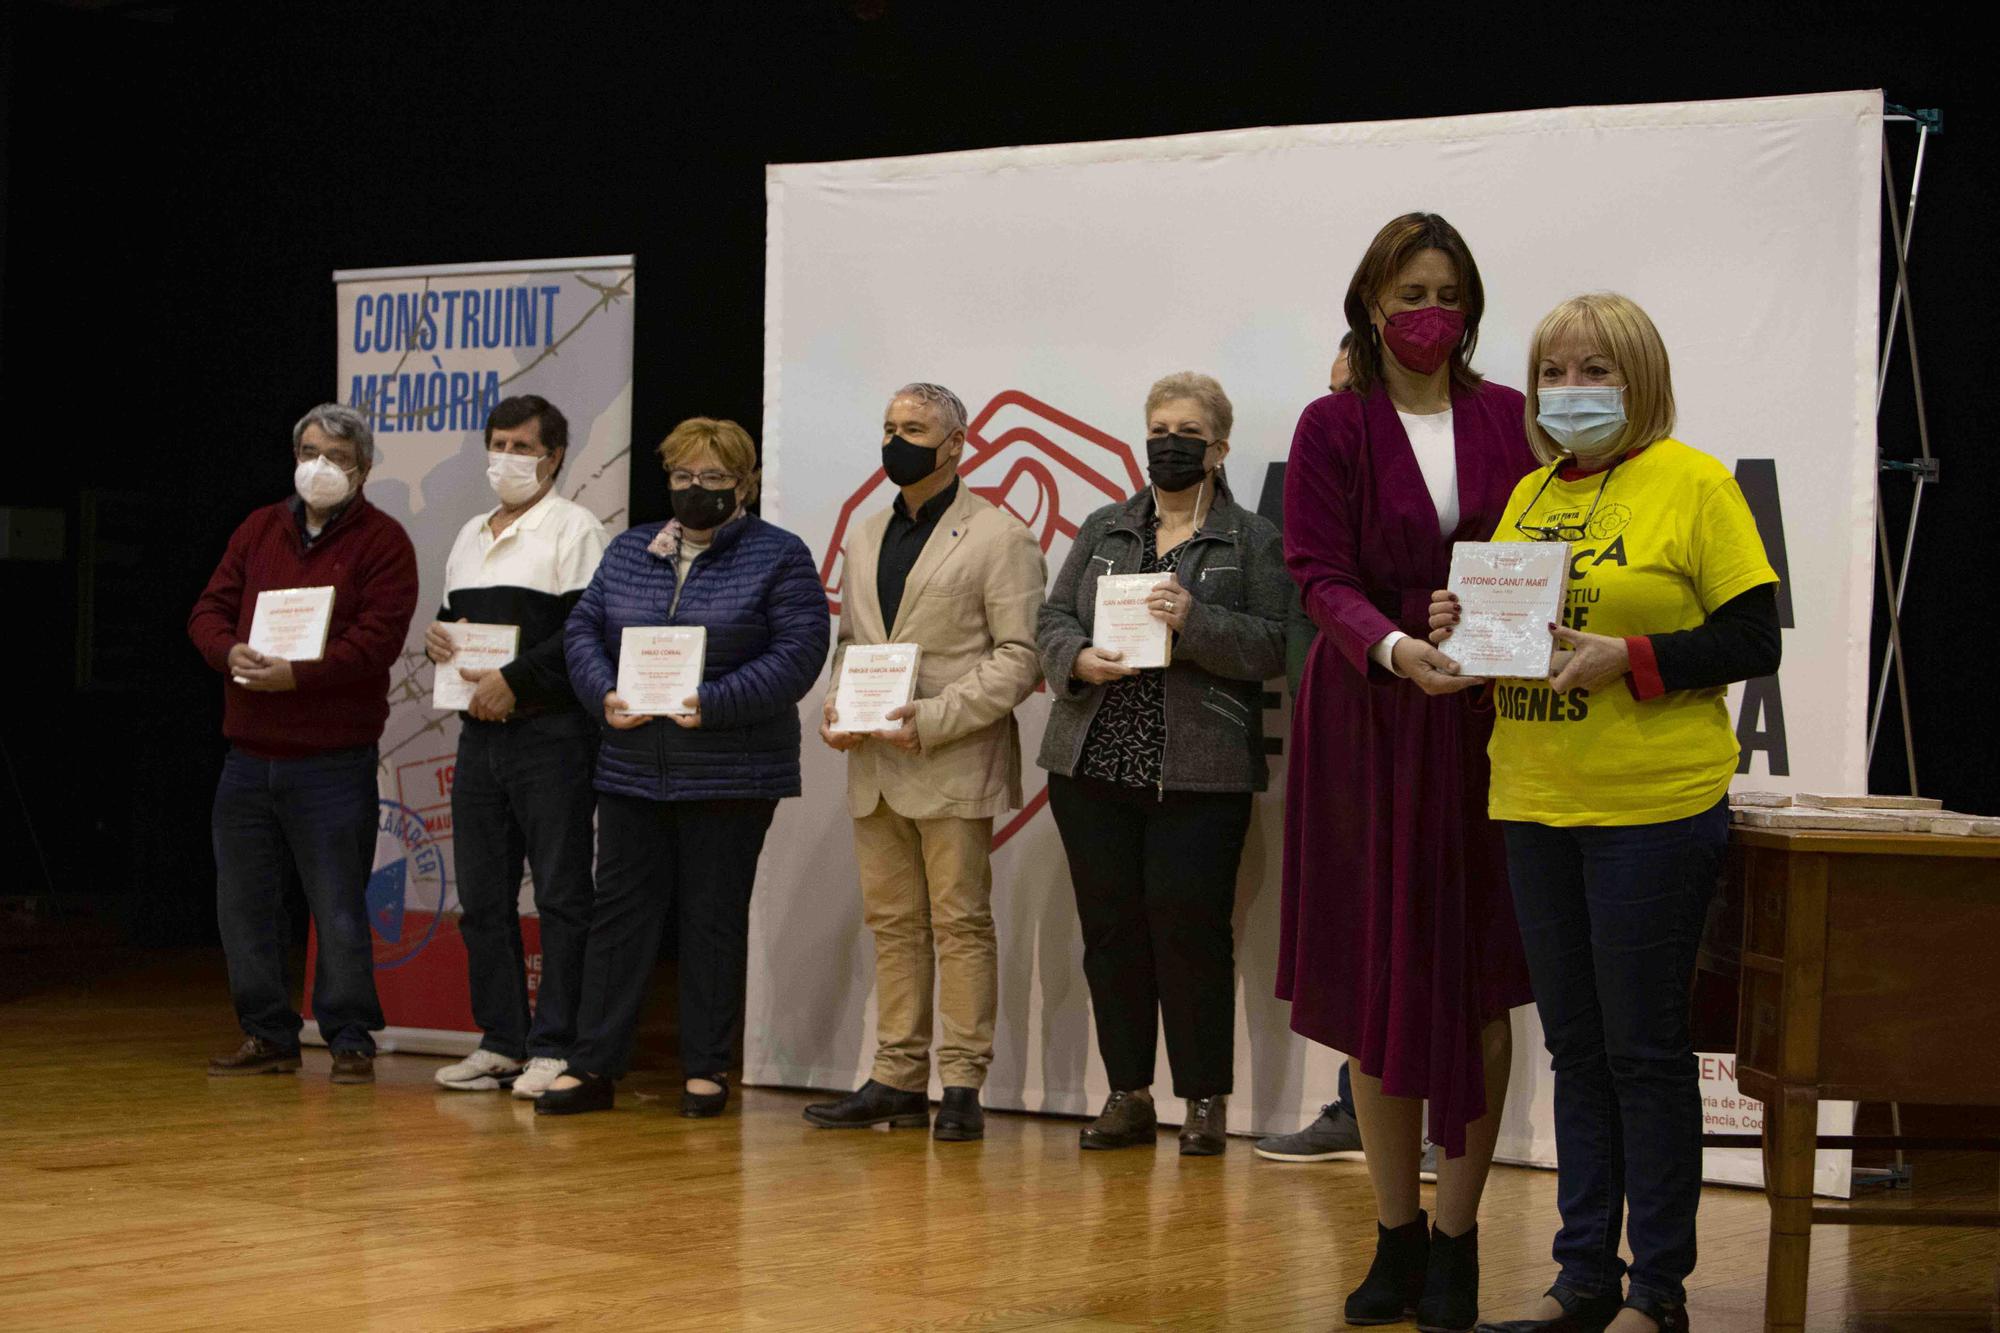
x=1581 y=417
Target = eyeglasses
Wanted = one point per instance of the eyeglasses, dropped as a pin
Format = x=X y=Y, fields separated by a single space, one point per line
x=680 y=479
x=1561 y=532
x=306 y=453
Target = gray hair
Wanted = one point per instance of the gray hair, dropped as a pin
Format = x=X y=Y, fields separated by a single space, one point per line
x=1206 y=392
x=950 y=411
x=342 y=423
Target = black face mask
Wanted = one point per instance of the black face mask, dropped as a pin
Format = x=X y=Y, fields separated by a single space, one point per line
x=906 y=463
x=1174 y=462
x=701 y=509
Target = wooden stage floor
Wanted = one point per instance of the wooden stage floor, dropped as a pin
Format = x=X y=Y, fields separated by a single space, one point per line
x=137 y=1194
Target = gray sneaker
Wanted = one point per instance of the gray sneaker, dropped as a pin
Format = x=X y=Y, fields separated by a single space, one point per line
x=1427 y=1170
x=1334 y=1137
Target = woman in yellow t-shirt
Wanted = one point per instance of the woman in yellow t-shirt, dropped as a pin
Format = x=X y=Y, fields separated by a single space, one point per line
x=1611 y=783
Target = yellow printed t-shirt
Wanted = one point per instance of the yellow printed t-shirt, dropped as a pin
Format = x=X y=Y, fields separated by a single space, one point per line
x=1672 y=540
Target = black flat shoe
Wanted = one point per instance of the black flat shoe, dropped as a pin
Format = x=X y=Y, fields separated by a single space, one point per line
x=1395 y=1281
x=1581 y=1314
x=703 y=1105
x=1450 y=1302
x=872 y=1104
x=959 y=1119
x=592 y=1094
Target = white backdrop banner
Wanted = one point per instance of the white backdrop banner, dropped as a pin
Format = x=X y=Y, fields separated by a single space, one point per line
x=427 y=352
x=1050 y=286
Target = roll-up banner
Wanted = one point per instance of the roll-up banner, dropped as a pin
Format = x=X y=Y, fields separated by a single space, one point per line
x=1050 y=286
x=427 y=351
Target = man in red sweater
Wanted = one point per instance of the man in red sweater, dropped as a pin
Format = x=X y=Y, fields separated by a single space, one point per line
x=299 y=778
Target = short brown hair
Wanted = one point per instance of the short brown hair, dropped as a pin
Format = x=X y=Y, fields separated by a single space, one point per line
x=1402 y=240
x=1616 y=328
x=725 y=439
x=552 y=425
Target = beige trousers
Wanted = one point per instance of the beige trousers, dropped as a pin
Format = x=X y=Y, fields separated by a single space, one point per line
x=927 y=885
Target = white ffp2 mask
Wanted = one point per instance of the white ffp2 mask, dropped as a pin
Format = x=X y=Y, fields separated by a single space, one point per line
x=321 y=484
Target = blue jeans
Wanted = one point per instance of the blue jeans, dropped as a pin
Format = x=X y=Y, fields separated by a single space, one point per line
x=522 y=793
x=1610 y=918
x=319 y=812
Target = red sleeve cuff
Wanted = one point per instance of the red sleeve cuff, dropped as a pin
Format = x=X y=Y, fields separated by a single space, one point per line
x=1644 y=679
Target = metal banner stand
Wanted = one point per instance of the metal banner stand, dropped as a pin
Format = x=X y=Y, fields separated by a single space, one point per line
x=1923 y=470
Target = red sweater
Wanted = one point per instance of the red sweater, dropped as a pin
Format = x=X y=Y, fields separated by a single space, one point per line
x=342 y=700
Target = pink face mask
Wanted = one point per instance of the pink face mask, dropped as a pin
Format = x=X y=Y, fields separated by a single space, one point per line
x=1422 y=340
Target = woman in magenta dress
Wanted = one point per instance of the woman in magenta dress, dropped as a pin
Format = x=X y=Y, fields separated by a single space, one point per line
x=1399 y=945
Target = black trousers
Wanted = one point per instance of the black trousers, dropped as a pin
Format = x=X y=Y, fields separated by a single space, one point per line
x=522 y=792
x=1155 y=883
x=695 y=857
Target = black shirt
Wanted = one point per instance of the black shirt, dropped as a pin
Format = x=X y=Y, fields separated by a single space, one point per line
x=902 y=542
x=1127 y=742
x=306 y=535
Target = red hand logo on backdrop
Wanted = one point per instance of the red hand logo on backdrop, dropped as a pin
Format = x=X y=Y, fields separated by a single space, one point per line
x=1041 y=465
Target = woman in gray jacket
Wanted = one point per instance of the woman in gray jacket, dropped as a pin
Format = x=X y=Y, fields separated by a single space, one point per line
x=1151 y=773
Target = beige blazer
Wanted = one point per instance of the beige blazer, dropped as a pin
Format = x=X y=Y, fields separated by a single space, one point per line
x=971 y=602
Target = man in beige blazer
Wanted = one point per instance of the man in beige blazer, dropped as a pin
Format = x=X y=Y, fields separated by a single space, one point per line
x=944 y=569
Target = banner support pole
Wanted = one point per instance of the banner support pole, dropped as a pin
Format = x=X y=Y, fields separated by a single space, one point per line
x=1924 y=468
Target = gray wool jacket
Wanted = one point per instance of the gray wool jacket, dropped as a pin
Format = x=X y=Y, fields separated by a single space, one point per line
x=1234 y=641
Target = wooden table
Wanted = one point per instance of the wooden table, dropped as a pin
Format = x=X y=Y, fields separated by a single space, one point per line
x=1871 y=972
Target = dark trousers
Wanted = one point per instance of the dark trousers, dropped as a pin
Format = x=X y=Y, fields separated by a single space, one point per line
x=1611 y=918
x=319 y=813
x=1155 y=883
x=522 y=793
x=653 y=857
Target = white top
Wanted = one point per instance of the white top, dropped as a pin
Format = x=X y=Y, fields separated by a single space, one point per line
x=684 y=557
x=552 y=548
x=1436 y=447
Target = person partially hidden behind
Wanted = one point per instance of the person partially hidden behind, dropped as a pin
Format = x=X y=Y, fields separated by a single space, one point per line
x=944 y=569
x=1336 y=1135
x=298 y=783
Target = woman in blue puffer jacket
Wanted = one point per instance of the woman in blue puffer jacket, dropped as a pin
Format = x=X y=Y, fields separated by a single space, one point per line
x=684 y=802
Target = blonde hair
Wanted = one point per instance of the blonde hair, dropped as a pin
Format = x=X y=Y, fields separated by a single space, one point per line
x=728 y=441
x=1204 y=389
x=1615 y=327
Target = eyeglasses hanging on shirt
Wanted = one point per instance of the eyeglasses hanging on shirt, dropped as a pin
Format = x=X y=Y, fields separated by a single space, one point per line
x=1561 y=532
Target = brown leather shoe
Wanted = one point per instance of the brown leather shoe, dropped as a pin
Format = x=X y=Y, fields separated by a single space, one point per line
x=1205 y=1133
x=255 y=1056
x=353 y=1067
x=1125 y=1122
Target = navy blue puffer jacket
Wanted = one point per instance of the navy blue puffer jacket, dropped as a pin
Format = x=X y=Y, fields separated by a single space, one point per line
x=758 y=594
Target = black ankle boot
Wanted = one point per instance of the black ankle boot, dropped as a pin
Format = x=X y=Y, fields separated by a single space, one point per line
x=1395 y=1281
x=959 y=1119
x=1451 y=1284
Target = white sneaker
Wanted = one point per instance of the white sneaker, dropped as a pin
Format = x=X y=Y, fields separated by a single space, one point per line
x=479 y=1072
x=535 y=1079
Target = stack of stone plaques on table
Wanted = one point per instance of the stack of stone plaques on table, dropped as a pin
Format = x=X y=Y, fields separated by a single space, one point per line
x=1857 y=814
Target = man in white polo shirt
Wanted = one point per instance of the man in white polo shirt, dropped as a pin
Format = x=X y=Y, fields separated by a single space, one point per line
x=526 y=749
